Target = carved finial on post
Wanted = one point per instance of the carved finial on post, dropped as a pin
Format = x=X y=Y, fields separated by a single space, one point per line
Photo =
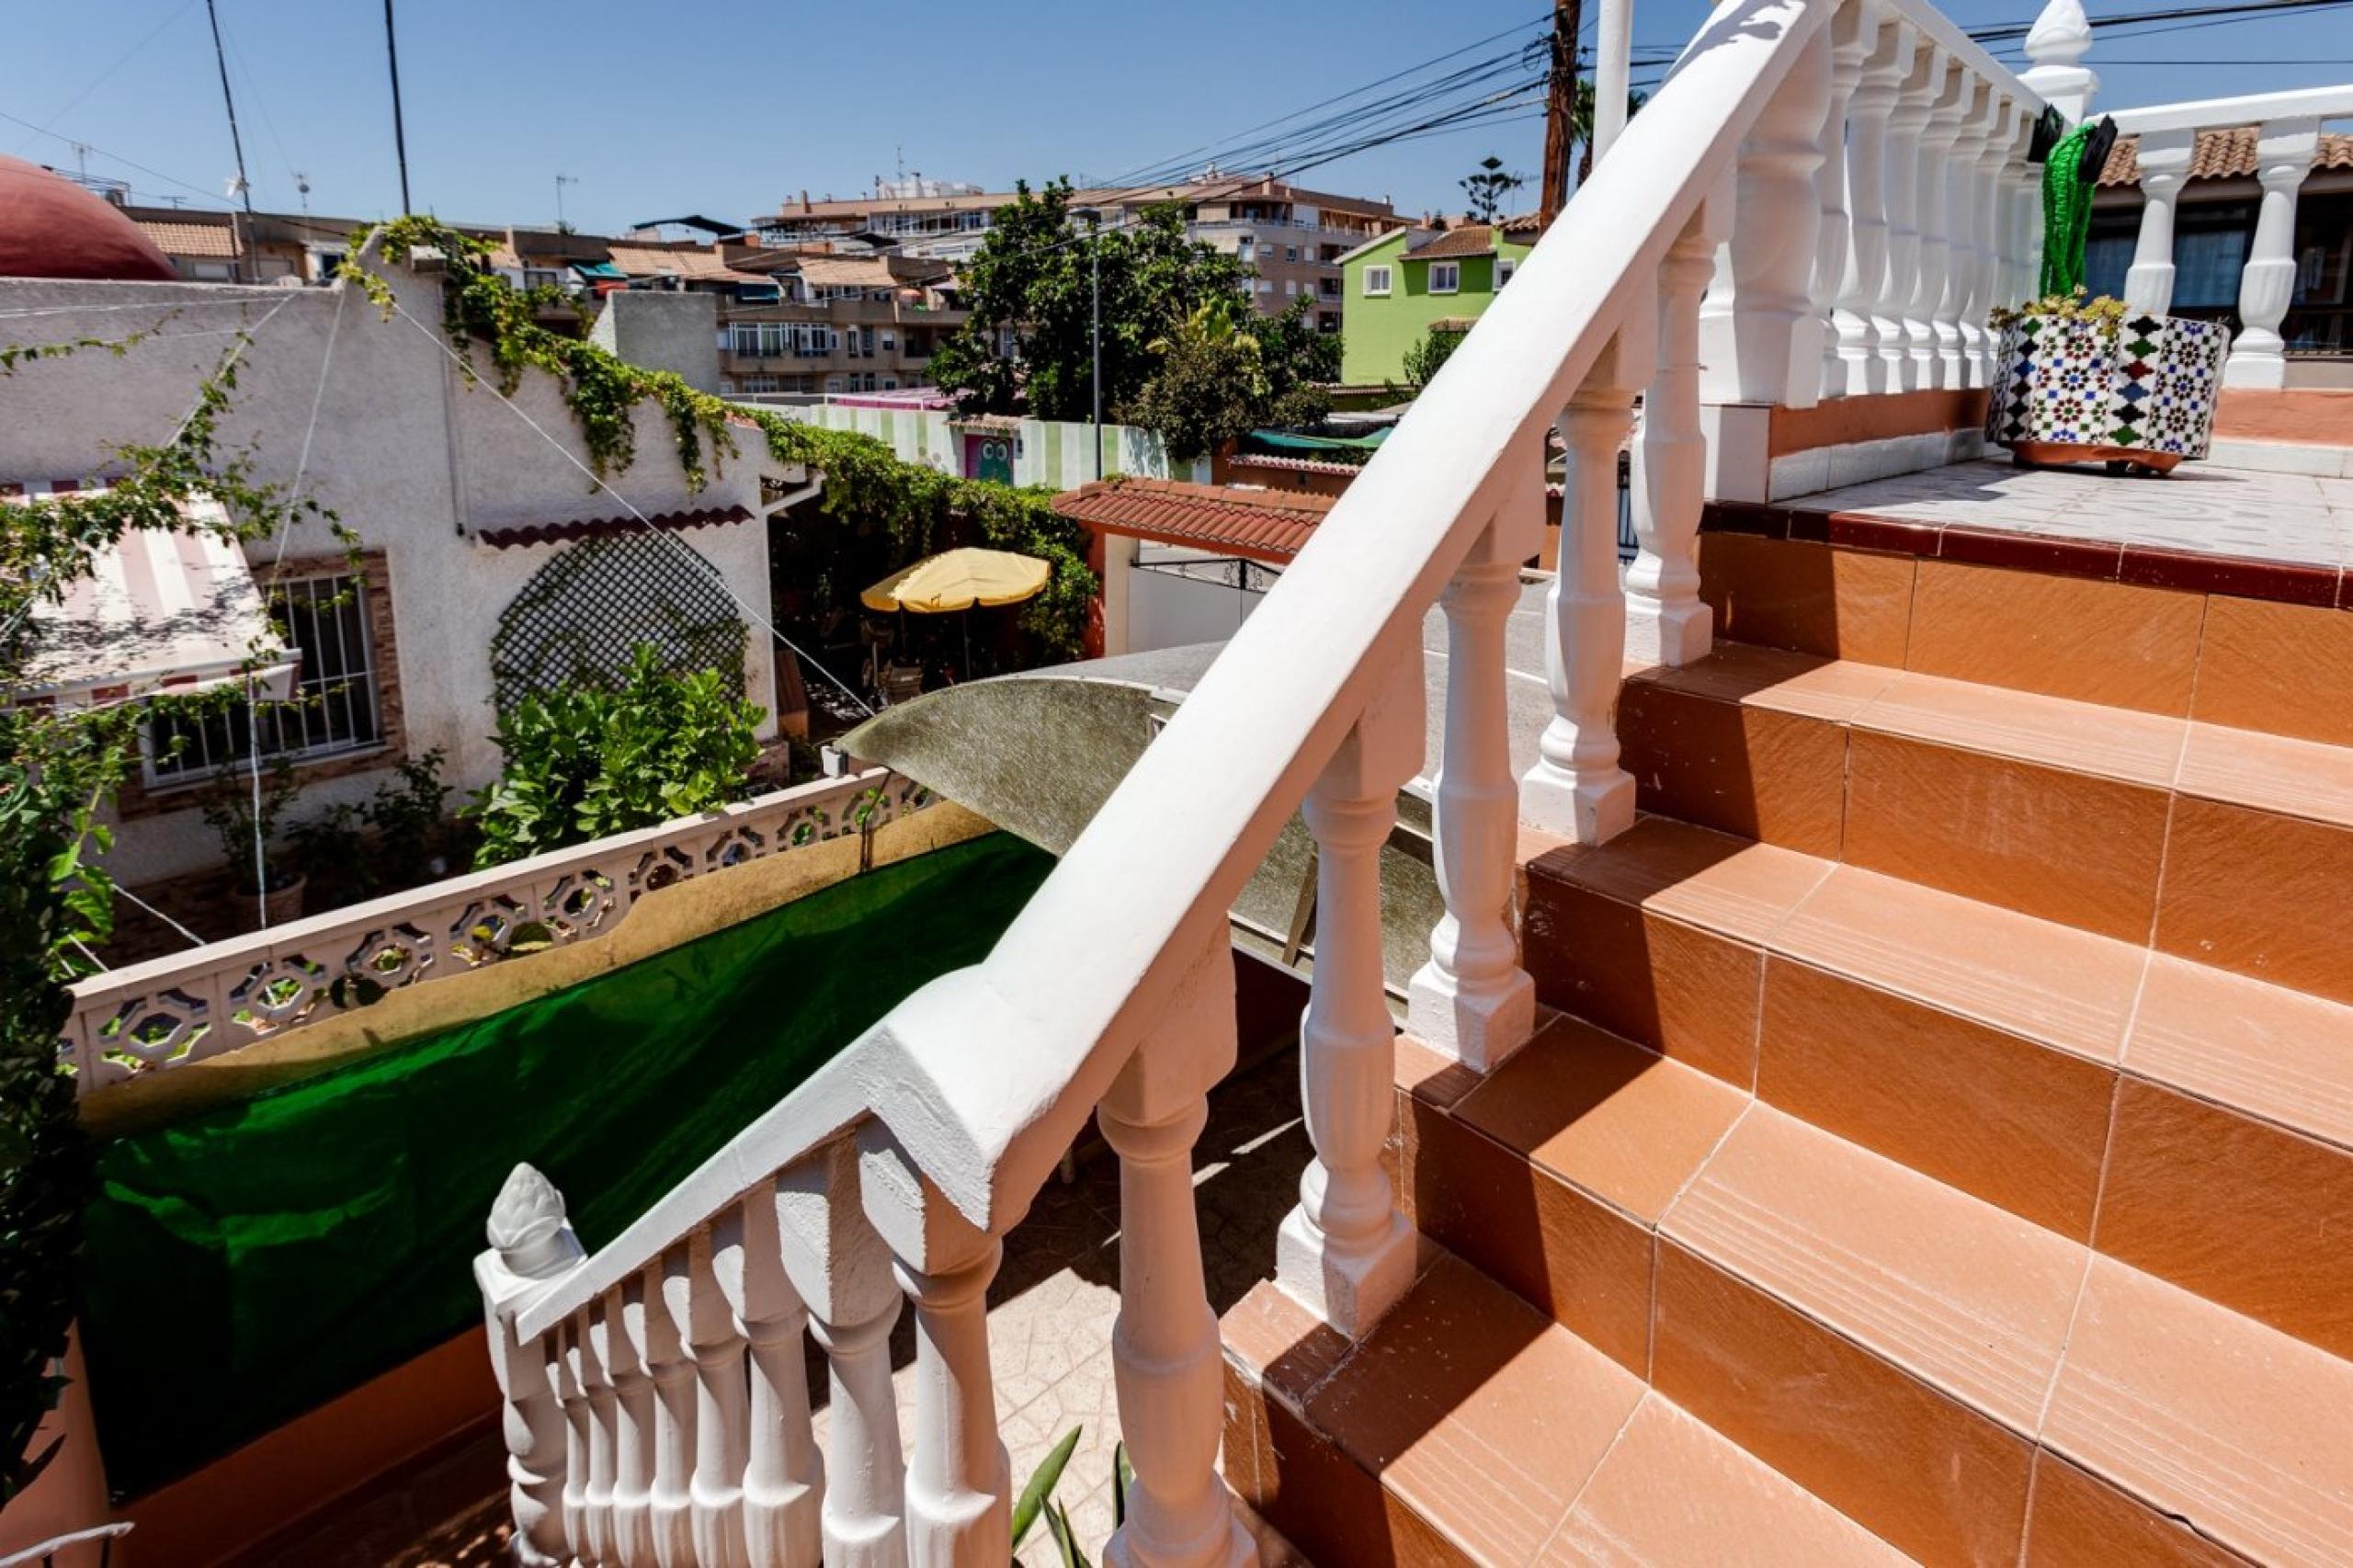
x=526 y=1228
x=2057 y=43
x=529 y=1242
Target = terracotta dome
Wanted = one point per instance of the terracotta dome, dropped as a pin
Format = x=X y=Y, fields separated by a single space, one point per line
x=50 y=227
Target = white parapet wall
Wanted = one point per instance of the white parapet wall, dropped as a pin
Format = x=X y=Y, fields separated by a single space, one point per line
x=1055 y=452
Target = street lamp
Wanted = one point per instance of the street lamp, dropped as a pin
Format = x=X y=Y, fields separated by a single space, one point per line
x=1093 y=219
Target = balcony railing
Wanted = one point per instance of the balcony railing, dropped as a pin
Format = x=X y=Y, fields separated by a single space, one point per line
x=189 y=1007
x=1860 y=167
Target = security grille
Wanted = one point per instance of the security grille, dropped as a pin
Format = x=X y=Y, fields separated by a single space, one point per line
x=334 y=701
x=577 y=619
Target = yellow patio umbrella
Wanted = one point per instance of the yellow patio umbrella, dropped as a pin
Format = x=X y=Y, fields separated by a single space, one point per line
x=957 y=580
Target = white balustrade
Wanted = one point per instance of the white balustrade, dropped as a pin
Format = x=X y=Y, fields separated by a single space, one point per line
x=2163 y=157
x=2057 y=43
x=1854 y=31
x=1924 y=328
x=1895 y=324
x=774 y=1511
x=2284 y=150
x=1866 y=320
x=1958 y=337
x=1667 y=621
x=529 y=1245
x=1345 y=1251
x=1759 y=340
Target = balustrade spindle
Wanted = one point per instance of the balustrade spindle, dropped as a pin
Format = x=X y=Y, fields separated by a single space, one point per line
x=624 y=1331
x=842 y=1272
x=1985 y=224
x=1166 y=1357
x=1853 y=30
x=1957 y=336
x=590 y=1341
x=2023 y=203
x=1666 y=621
x=1471 y=1000
x=714 y=1489
x=1345 y=1251
x=1576 y=789
x=529 y=1245
x=1861 y=325
x=783 y=1478
x=665 y=1351
x=563 y=1373
x=1898 y=328
x=2284 y=150
x=1928 y=276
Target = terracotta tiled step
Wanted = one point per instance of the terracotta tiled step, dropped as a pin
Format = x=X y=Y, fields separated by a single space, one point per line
x=2011 y=1058
x=1896 y=1346
x=2231 y=843
x=1467 y=1428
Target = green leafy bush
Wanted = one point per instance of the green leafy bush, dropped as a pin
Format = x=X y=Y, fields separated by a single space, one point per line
x=585 y=762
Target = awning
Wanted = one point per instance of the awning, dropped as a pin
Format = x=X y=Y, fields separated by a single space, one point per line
x=173 y=611
x=592 y=270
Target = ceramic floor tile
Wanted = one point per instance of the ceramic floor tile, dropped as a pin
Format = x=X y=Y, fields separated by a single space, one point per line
x=1733 y=885
x=2278 y=1054
x=1773 y=677
x=2049 y=983
x=2237 y=1428
x=2273 y=773
x=2114 y=742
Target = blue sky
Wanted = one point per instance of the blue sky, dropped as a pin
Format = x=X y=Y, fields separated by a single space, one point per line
x=730 y=109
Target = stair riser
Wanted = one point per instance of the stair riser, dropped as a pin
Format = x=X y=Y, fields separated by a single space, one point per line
x=2253 y=892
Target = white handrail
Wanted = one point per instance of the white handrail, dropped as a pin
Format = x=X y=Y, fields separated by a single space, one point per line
x=2250 y=109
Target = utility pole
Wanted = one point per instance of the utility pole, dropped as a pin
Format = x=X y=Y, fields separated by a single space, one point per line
x=400 y=133
x=561 y=181
x=1093 y=220
x=238 y=143
x=1560 y=109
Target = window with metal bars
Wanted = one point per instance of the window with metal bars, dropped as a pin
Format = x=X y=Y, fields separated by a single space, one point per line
x=333 y=709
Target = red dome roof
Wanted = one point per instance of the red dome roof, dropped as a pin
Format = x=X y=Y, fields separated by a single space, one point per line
x=50 y=227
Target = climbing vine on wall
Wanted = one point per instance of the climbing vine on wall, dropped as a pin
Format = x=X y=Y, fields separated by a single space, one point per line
x=866 y=481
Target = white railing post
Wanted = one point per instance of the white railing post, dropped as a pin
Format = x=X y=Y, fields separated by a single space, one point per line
x=669 y=1362
x=1577 y=790
x=1346 y=1252
x=1853 y=30
x=1166 y=1360
x=958 y=1491
x=2164 y=158
x=783 y=1478
x=1667 y=621
x=2057 y=42
x=1921 y=322
x=590 y=1341
x=1987 y=223
x=563 y=1373
x=530 y=1244
x=1893 y=320
x=2026 y=224
x=1471 y=1000
x=2284 y=150
x=715 y=1484
x=1957 y=336
x=841 y=1271
x=622 y=1325
x=1862 y=366
x=1759 y=339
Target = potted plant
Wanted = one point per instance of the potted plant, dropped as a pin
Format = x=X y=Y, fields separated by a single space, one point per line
x=244 y=811
x=2080 y=380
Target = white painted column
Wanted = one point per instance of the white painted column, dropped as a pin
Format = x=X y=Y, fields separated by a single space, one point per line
x=1859 y=369
x=1346 y=1252
x=1957 y=336
x=2284 y=150
x=1892 y=320
x=722 y=1423
x=590 y=1340
x=2163 y=157
x=1471 y=1000
x=2026 y=205
x=1166 y=1361
x=579 y=1441
x=530 y=1244
x=1920 y=316
x=1759 y=340
x=1853 y=30
x=1666 y=622
x=2057 y=43
x=783 y=1486
x=1988 y=225
x=624 y=1324
x=1576 y=789
x=1613 y=44
x=669 y=1363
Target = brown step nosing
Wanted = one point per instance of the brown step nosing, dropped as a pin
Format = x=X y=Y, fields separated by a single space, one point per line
x=2245 y=1057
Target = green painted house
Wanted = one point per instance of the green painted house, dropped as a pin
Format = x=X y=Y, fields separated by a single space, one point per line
x=1396 y=288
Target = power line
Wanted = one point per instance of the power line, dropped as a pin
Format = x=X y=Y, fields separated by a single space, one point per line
x=99 y=80
x=236 y=142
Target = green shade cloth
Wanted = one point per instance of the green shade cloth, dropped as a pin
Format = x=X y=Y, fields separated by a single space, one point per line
x=1285 y=443
x=2067 y=214
x=256 y=1260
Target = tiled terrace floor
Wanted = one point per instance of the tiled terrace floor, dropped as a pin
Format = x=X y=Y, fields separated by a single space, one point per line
x=2199 y=508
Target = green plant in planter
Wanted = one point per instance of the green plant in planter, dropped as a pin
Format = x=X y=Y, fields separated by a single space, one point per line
x=1037 y=1499
x=394 y=839
x=242 y=816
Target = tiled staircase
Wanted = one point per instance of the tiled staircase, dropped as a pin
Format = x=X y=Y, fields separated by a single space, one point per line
x=1945 y=1147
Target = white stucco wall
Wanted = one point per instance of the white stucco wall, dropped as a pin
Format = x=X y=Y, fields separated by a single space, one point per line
x=1057 y=453
x=413 y=458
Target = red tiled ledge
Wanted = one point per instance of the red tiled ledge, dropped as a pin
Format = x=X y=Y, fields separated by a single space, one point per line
x=2236 y=575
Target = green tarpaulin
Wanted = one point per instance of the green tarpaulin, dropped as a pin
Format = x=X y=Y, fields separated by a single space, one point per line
x=250 y=1262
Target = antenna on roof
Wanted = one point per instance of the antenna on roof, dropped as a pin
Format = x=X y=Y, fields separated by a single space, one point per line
x=302 y=189
x=243 y=187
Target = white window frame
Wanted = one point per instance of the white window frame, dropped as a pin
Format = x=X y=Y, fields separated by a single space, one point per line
x=1378 y=281
x=1505 y=267
x=1445 y=277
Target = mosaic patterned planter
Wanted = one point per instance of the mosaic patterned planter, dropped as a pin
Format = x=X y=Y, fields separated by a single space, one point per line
x=2136 y=393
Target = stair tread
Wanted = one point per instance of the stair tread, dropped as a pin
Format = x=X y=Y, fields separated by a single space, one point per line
x=2272 y=773
x=2279 y=1053
x=1960 y=1293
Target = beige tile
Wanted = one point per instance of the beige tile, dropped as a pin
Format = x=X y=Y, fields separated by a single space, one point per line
x=2272 y=773
x=1751 y=771
x=1805 y=683
x=2260 y=895
x=2011 y=1121
x=2079 y=1522
x=2274 y=1052
x=1839 y=604
x=2241 y=1213
x=2285 y=668
x=1673 y=1493
x=1478 y=1414
x=2116 y=643
x=2064 y=846
x=2211 y=1418
x=1728 y=885
x=2034 y=978
x=1966 y=1297
x=1930 y=1477
x=2055 y=732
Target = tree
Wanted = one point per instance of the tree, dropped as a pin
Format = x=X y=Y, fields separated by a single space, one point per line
x=1217 y=381
x=1424 y=359
x=1033 y=279
x=1487 y=187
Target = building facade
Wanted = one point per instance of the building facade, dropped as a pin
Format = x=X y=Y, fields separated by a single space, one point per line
x=1408 y=282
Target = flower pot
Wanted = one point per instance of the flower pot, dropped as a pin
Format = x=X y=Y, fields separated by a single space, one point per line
x=2138 y=393
x=283 y=903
